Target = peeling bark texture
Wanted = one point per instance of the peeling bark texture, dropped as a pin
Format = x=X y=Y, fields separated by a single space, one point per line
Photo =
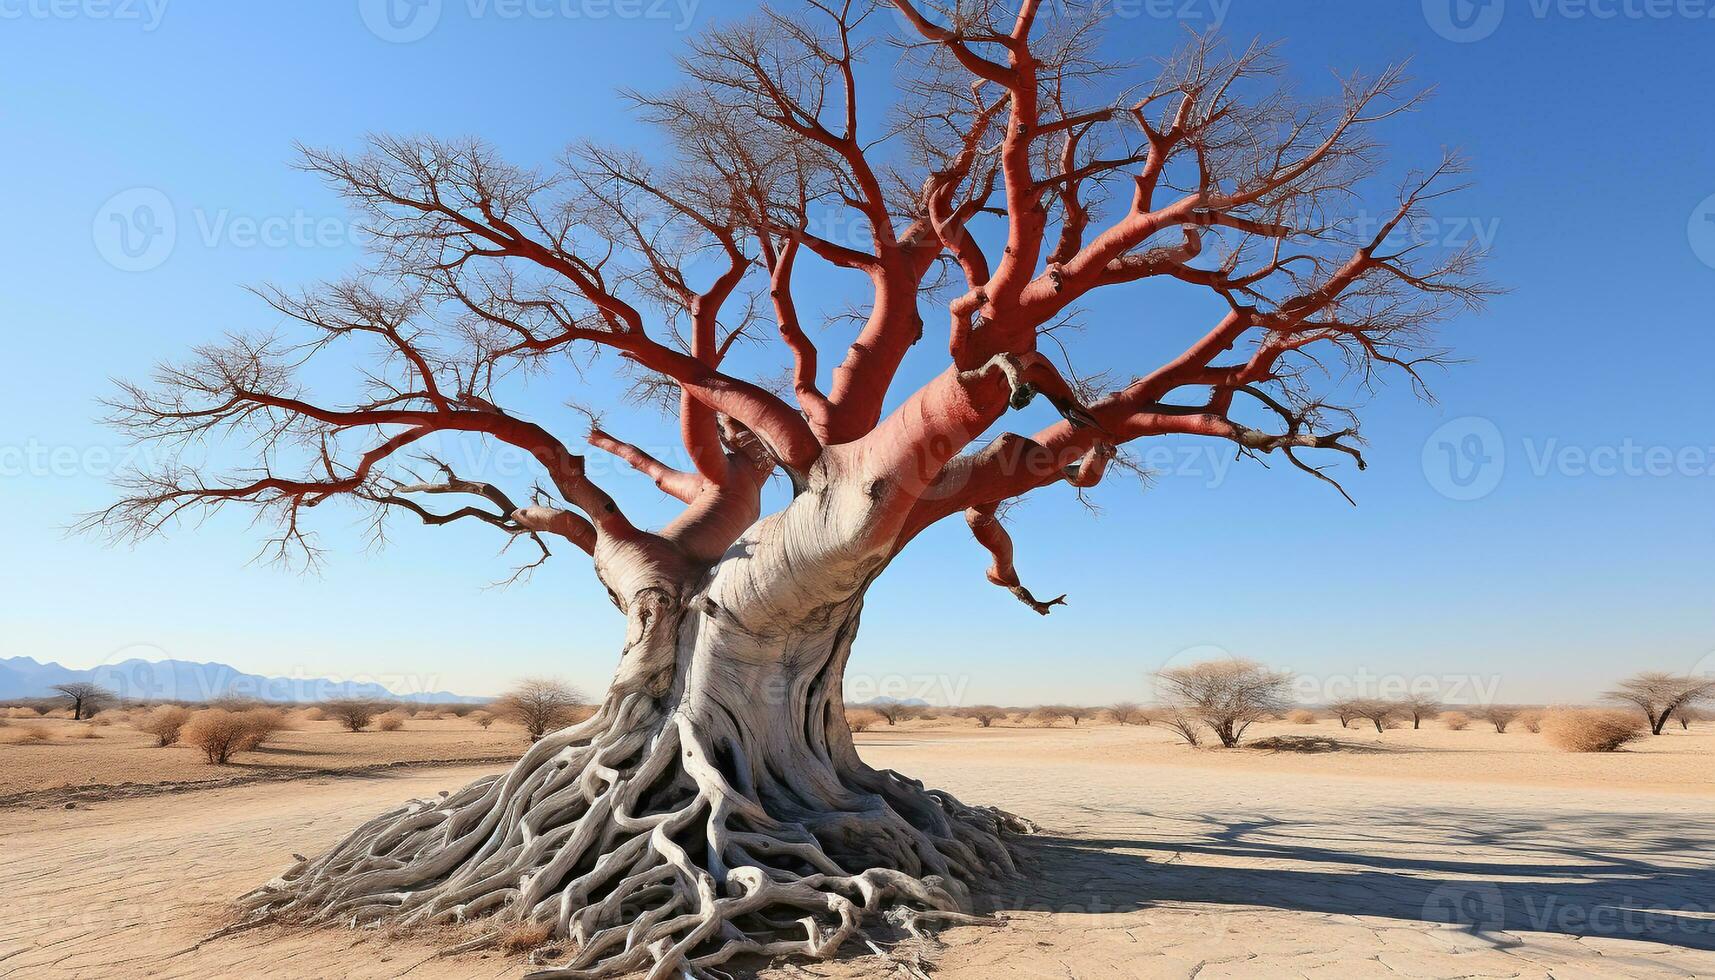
x=714 y=806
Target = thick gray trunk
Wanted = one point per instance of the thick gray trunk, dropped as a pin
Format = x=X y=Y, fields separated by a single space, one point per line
x=714 y=806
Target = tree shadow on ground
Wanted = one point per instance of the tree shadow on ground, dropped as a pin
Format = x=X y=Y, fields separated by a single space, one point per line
x=1636 y=876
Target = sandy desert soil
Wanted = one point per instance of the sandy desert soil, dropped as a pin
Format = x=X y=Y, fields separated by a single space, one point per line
x=1155 y=861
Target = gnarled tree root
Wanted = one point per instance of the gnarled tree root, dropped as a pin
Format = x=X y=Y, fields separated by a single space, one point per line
x=630 y=839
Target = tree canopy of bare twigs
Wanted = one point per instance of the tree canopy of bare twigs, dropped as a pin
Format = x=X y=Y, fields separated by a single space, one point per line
x=83 y=698
x=541 y=705
x=1227 y=696
x=1659 y=695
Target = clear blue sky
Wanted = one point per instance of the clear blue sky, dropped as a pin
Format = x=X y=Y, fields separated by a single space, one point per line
x=1595 y=164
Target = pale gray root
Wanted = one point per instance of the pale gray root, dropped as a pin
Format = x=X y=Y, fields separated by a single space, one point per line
x=647 y=844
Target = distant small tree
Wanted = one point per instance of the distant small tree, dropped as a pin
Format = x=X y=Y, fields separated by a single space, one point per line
x=483 y=719
x=1498 y=715
x=1659 y=694
x=1078 y=713
x=1417 y=707
x=353 y=714
x=1228 y=696
x=1686 y=715
x=1381 y=714
x=541 y=705
x=1049 y=714
x=892 y=711
x=1345 y=710
x=84 y=698
x=985 y=715
x=1530 y=720
x=165 y=723
x=1128 y=713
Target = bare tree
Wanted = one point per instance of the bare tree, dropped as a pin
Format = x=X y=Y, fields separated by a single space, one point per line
x=1345 y=710
x=1418 y=707
x=1498 y=715
x=1659 y=694
x=354 y=714
x=1011 y=176
x=1128 y=713
x=892 y=711
x=1381 y=714
x=1078 y=713
x=541 y=705
x=1687 y=715
x=984 y=714
x=83 y=698
x=1228 y=696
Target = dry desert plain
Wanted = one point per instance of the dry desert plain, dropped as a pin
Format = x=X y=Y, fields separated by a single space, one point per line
x=1427 y=853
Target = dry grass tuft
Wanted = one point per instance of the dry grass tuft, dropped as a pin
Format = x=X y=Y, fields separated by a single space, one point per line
x=1575 y=730
x=1301 y=717
x=1455 y=721
x=30 y=734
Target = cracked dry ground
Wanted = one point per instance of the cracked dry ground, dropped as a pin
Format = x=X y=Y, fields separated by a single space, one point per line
x=1144 y=870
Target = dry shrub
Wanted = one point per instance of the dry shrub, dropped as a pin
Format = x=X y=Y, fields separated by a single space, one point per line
x=35 y=733
x=862 y=719
x=261 y=725
x=482 y=718
x=107 y=718
x=1532 y=720
x=1455 y=721
x=217 y=732
x=392 y=721
x=313 y=714
x=165 y=724
x=87 y=732
x=1301 y=716
x=1592 y=731
x=522 y=937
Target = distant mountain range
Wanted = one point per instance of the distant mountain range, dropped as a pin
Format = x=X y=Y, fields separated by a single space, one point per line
x=183 y=680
